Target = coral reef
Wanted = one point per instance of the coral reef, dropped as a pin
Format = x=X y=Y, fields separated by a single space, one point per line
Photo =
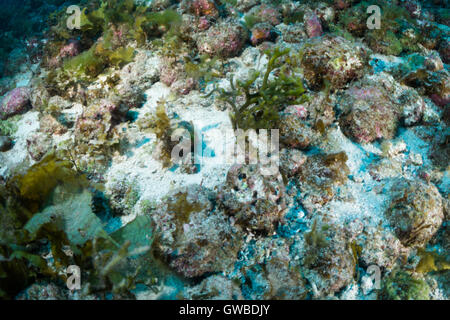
x=134 y=147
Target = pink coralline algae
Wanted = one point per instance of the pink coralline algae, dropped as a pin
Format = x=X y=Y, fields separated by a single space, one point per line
x=203 y=23
x=375 y=106
x=299 y=110
x=70 y=50
x=15 y=102
x=312 y=25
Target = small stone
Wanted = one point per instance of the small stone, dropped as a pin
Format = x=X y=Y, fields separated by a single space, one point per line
x=415 y=212
x=312 y=25
x=5 y=143
x=15 y=102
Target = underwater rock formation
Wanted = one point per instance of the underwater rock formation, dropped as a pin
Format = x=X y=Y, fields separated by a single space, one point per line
x=256 y=201
x=415 y=211
x=129 y=147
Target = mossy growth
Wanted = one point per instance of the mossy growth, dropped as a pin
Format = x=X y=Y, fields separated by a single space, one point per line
x=262 y=103
x=315 y=240
x=115 y=24
x=402 y=285
x=204 y=69
x=325 y=170
x=9 y=127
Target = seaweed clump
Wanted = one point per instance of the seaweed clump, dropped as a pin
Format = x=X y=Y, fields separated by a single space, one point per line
x=49 y=211
x=262 y=104
x=116 y=25
x=401 y=285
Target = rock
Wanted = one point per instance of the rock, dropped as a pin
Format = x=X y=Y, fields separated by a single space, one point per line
x=295 y=132
x=201 y=8
x=292 y=33
x=278 y=278
x=5 y=143
x=381 y=248
x=253 y=199
x=312 y=24
x=262 y=32
x=319 y=176
x=225 y=39
x=374 y=107
x=415 y=211
x=215 y=287
x=333 y=60
x=38 y=145
x=194 y=237
x=290 y=161
x=328 y=258
x=444 y=50
x=15 y=102
x=265 y=13
x=71 y=49
x=43 y=291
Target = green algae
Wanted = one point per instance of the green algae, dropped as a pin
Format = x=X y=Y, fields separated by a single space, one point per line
x=9 y=127
x=262 y=104
x=401 y=285
x=118 y=22
x=66 y=220
x=36 y=184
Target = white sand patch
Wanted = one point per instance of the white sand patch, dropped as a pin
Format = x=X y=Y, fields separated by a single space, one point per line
x=18 y=155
